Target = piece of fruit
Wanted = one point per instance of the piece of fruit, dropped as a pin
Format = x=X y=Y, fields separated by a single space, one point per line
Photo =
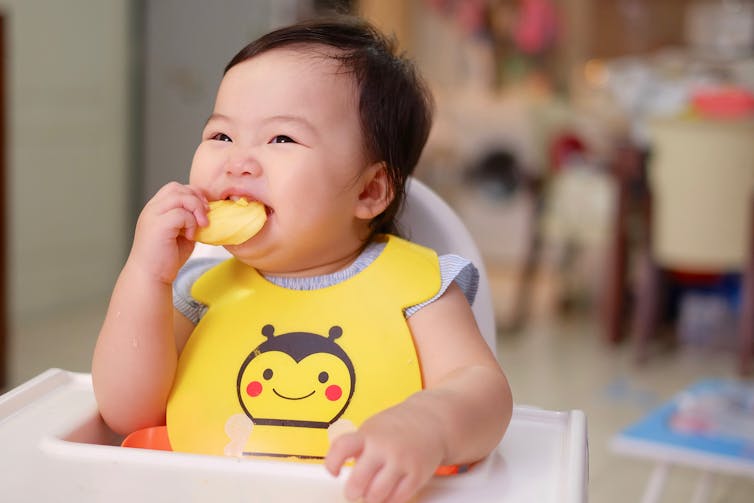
x=232 y=222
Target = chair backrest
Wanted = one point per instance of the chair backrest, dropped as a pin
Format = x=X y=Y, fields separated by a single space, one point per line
x=428 y=220
x=702 y=178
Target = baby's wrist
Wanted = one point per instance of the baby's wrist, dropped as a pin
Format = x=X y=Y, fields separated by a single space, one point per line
x=143 y=271
x=430 y=408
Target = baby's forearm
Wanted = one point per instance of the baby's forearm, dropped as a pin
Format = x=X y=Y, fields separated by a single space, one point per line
x=135 y=356
x=472 y=408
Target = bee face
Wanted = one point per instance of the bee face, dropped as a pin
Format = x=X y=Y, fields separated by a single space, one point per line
x=316 y=388
x=296 y=378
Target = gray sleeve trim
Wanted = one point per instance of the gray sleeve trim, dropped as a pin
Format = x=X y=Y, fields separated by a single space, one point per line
x=187 y=276
x=453 y=268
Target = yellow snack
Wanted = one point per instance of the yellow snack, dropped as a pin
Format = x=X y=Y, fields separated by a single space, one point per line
x=232 y=222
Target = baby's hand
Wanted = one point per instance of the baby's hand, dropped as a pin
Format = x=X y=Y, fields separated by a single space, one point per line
x=164 y=236
x=396 y=452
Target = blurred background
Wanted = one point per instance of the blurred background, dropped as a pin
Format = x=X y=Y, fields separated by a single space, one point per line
x=600 y=151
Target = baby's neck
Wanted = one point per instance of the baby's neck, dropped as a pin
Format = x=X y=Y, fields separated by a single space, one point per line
x=321 y=269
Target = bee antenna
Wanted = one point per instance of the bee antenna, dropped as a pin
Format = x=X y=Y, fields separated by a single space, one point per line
x=268 y=331
x=335 y=332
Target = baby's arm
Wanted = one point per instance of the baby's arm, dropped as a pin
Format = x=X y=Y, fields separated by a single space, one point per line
x=459 y=418
x=137 y=349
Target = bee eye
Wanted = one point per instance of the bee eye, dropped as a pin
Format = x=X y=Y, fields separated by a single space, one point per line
x=267 y=374
x=323 y=377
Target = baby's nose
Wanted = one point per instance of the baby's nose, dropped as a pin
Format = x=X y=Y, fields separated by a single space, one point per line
x=243 y=164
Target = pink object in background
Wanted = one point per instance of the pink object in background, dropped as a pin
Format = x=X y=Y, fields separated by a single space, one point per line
x=728 y=102
x=537 y=27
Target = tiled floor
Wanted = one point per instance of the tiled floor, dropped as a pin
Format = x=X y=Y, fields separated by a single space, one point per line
x=554 y=363
x=565 y=365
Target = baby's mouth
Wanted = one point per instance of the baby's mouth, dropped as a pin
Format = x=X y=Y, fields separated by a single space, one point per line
x=267 y=209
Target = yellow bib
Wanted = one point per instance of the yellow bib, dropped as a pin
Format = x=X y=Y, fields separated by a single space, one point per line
x=267 y=370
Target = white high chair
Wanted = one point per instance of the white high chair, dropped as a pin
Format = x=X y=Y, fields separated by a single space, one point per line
x=55 y=446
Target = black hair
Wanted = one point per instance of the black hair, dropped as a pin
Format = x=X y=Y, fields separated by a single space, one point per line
x=395 y=104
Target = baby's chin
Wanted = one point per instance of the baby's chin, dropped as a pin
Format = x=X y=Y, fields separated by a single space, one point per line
x=258 y=253
x=274 y=252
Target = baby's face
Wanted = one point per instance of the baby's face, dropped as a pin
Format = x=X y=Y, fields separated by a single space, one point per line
x=285 y=131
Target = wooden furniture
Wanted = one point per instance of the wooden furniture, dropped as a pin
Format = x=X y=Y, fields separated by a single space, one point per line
x=3 y=217
x=692 y=196
x=632 y=203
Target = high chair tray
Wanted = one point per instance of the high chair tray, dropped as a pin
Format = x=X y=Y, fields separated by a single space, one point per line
x=55 y=447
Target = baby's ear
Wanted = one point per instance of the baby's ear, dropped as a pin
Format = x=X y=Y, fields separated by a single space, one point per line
x=376 y=192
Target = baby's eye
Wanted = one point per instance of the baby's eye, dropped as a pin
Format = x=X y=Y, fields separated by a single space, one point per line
x=281 y=138
x=221 y=137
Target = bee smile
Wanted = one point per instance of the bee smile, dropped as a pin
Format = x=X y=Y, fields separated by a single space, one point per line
x=291 y=398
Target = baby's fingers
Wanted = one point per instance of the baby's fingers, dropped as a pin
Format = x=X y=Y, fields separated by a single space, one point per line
x=405 y=489
x=385 y=485
x=343 y=448
x=358 y=485
x=182 y=221
x=175 y=195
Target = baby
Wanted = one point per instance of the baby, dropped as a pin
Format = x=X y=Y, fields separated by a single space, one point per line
x=324 y=321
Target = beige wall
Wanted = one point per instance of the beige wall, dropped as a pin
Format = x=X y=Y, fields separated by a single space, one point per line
x=68 y=150
x=391 y=16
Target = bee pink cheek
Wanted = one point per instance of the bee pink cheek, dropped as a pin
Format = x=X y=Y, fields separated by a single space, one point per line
x=333 y=392
x=254 y=388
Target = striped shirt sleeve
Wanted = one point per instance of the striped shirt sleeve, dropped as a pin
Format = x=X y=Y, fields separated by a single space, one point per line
x=453 y=268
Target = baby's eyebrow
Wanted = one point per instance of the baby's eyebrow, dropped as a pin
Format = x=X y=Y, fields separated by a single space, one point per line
x=216 y=116
x=297 y=119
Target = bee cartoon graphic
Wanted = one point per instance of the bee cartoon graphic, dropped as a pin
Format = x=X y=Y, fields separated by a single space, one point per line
x=291 y=387
x=296 y=379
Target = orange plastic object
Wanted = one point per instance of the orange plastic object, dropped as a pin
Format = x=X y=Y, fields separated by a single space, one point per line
x=155 y=438
x=448 y=470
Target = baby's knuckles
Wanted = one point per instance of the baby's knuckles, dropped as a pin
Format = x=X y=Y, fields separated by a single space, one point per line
x=408 y=474
x=400 y=446
x=159 y=248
